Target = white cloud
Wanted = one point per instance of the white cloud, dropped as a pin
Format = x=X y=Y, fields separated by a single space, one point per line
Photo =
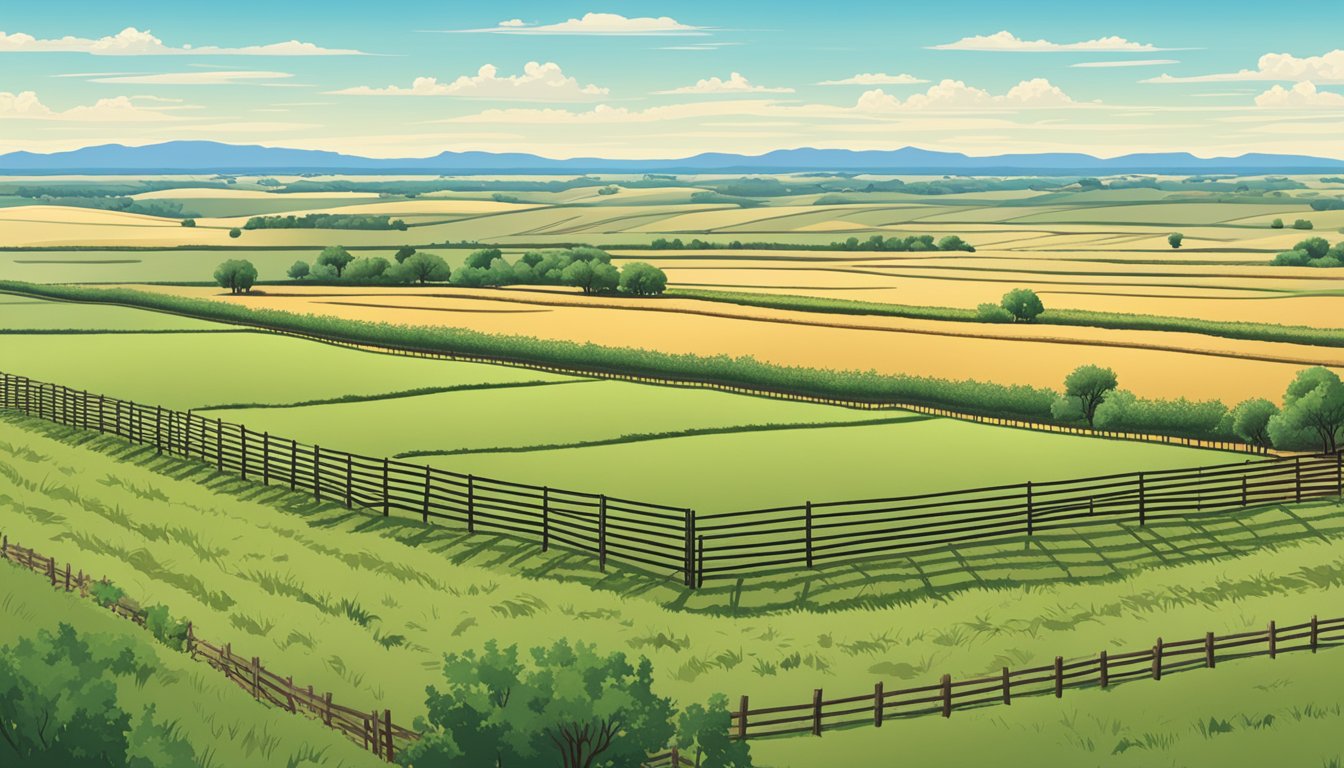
x=1130 y=63
x=134 y=42
x=1303 y=94
x=120 y=109
x=1326 y=68
x=538 y=82
x=875 y=78
x=955 y=94
x=1007 y=41
x=735 y=83
x=597 y=24
x=209 y=77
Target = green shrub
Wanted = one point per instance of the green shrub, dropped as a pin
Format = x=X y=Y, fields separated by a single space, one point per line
x=106 y=594
x=1023 y=304
x=993 y=313
x=1276 y=224
x=237 y=275
x=1303 y=224
x=169 y=631
x=640 y=279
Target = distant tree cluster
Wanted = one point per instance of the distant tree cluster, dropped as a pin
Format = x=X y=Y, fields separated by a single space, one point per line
x=586 y=268
x=325 y=221
x=1312 y=252
x=873 y=243
x=409 y=266
x=1328 y=204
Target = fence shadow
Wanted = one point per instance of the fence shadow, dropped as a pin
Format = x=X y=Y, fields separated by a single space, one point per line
x=1090 y=554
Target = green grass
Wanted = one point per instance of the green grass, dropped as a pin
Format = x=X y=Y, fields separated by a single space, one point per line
x=224 y=725
x=318 y=591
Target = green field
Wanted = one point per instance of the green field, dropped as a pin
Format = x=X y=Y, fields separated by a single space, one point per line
x=366 y=605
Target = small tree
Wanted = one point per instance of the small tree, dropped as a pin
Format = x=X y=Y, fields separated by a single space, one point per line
x=1175 y=239
x=237 y=275
x=1023 y=304
x=335 y=257
x=188 y=222
x=640 y=279
x=235 y=233
x=1276 y=224
x=1089 y=385
x=425 y=268
x=566 y=705
x=1313 y=406
x=1303 y=224
x=404 y=253
x=1250 y=421
x=298 y=270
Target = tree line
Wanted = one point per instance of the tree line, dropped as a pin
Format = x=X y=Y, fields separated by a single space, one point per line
x=1312 y=252
x=325 y=221
x=873 y=243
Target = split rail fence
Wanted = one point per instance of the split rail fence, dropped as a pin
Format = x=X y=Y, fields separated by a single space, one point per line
x=1102 y=671
x=672 y=540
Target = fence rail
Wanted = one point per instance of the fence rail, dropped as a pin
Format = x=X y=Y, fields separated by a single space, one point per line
x=1103 y=670
x=672 y=540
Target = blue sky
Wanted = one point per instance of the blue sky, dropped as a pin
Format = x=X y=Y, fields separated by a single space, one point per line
x=642 y=79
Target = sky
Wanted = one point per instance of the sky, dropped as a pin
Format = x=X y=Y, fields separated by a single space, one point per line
x=635 y=79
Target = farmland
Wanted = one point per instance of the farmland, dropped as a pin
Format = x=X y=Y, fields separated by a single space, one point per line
x=366 y=606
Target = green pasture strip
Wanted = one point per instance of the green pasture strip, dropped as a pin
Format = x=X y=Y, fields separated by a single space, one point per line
x=375 y=396
x=649 y=436
x=223 y=724
x=1293 y=334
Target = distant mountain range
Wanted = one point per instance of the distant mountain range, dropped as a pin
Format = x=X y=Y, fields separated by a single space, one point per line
x=215 y=157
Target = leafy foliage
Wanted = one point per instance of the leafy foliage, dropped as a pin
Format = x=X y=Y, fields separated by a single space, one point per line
x=1023 y=304
x=641 y=279
x=1313 y=407
x=237 y=275
x=325 y=221
x=1089 y=385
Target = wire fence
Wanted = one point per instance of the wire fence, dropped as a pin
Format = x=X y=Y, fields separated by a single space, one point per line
x=675 y=541
x=1101 y=671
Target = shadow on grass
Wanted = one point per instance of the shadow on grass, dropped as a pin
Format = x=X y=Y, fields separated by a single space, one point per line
x=1090 y=555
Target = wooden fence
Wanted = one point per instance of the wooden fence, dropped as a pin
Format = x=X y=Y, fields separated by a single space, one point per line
x=676 y=541
x=1103 y=670
x=373 y=729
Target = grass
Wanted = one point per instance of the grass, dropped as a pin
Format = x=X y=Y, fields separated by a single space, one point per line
x=223 y=724
x=366 y=605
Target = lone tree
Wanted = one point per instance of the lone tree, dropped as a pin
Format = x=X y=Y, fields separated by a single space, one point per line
x=298 y=270
x=1174 y=239
x=640 y=279
x=565 y=706
x=424 y=268
x=235 y=232
x=1023 y=304
x=237 y=275
x=1276 y=224
x=1312 y=406
x=1089 y=384
x=1250 y=421
x=188 y=222
x=336 y=257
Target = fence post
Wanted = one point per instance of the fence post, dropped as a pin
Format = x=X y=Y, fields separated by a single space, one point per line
x=326 y=709
x=1243 y=491
x=1273 y=640
x=807 y=531
x=742 y=718
x=256 y=677
x=1007 y=687
x=877 y=705
x=947 y=695
x=424 y=512
x=1059 y=677
x=1031 y=515
x=545 y=518
x=816 y=711
x=602 y=533
x=1105 y=677
x=1208 y=650
x=387 y=500
x=387 y=734
x=471 y=503
x=191 y=640
x=1143 y=507
x=690 y=548
x=1157 y=660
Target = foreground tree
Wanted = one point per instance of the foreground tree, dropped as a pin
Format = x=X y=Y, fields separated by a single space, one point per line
x=565 y=706
x=335 y=257
x=237 y=275
x=640 y=279
x=1250 y=421
x=424 y=268
x=1313 y=410
x=1023 y=304
x=703 y=735
x=1088 y=385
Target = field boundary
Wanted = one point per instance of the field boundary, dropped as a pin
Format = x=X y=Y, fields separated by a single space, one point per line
x=1102 y=671
x=684 y=382
x=676 y=541
x=373 y=729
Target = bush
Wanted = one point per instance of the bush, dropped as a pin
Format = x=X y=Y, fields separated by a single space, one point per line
x=106 y=594
x=993 y=313
x=1276 y=224
x=298 y=270
x=1023 y=304
x=1175 y=239
x=189 y=223
x=703 y=736
x=640 y=279
x=235 y=233
x=566 y=705
x=169 y=631
x=1250 y=421
x=1303 y=224
x=237 y=275
x=1123 y=411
